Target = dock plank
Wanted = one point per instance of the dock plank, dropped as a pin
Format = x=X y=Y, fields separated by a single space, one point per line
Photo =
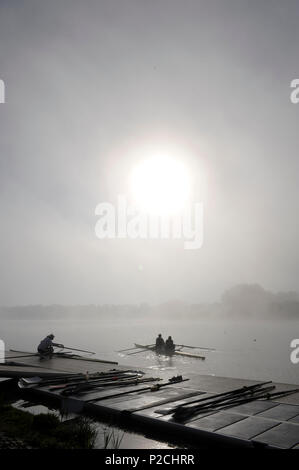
x=281 y=412
x=271 y=422
x=249 y=428
x=254 y=407
x=283 y=436
x=216 y=421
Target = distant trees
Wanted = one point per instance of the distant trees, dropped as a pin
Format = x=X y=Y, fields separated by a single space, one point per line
x=241 y=301
x=253 y=300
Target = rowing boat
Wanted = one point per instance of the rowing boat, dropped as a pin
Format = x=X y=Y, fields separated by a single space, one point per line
x=177 y=353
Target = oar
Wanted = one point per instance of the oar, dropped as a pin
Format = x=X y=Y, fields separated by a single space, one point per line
x=81 y=377
x=221 y=404
x=75 y=357
x=195 y=347
x=282 y=394
x=94 y=381
x=261 y=394
x=152 y=388
x=104 y=375
x=214 y=397
x=116 y=395
x=41 y=382
x=183 y=412
x=17 y=357
x=129 y=349
x=231 y=401
x=80 y=350
x=109 y=383
x=137 y=352
x=236 y=391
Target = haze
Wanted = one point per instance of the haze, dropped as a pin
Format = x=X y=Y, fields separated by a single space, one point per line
x=89 y=86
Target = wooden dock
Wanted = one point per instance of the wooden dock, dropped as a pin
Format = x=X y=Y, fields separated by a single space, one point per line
x=272 y=423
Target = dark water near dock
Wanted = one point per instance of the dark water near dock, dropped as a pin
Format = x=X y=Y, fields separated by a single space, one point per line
x=109 y=437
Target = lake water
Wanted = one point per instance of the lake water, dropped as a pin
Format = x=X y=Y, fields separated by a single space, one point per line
x=246 y=349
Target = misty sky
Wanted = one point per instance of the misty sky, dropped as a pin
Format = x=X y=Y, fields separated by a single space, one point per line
x=88 y=85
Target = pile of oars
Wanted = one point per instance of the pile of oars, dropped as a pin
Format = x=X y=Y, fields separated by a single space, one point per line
x=120 y=381
x=151 y=388
x=97 y=378
x=78 y=384
x=72 y=380
x=226 y=400
x=33 y=382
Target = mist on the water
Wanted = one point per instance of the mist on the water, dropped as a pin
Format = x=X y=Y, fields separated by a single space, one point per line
x=250 y=328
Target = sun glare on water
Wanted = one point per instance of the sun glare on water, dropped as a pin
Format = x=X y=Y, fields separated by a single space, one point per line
x=160 y=185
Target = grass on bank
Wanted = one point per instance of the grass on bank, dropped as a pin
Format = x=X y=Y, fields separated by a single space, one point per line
x=46 y=430
x=112 y=438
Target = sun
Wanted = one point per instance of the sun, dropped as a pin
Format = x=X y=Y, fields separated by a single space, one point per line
x=160 y=185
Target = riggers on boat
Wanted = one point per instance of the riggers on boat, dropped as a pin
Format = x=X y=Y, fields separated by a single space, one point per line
x=175 y=352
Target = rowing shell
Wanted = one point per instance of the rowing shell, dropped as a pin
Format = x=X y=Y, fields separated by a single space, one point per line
x=177 y=353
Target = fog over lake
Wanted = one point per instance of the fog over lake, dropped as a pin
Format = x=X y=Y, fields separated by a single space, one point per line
x=250 y=328
x=169 y=105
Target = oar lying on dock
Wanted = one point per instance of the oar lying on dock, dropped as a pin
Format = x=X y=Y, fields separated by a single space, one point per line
x=184 y=396
x=37 y=381
x=228 y=400
x=152 y=388
x=194 y=405
x=72 y=379
x=121 y=382
x=262 y=394
x=97 y=380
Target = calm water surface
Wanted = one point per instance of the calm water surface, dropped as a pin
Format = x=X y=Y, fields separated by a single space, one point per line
x=254 y=350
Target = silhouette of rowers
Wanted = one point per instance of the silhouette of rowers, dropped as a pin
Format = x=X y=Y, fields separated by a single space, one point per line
x=46 y=347
x=169 y=346
x=160 y=344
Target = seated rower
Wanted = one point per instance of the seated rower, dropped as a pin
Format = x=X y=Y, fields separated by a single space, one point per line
x=160 y=344
x=169 y=346
x=46 y=346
